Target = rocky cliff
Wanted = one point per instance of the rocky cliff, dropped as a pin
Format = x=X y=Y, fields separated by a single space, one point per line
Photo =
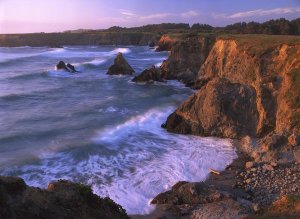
x=93 y=38
x=61 y=199
x=247 y=87
x=186 y=58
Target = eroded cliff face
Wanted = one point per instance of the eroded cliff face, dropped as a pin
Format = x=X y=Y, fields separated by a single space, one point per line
x=243 y=91
x=186 y=58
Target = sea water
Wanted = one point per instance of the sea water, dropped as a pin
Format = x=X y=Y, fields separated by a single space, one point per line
x=97 y=129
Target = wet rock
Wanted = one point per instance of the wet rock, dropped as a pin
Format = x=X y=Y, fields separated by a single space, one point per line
x=151 y=44
x=120 y=66
x=66 y=67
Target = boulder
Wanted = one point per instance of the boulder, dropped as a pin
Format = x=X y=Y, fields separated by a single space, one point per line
x=66 y=67
x=62 y=199
x=221 y=108
x=71 y=67
x=151 y=44
x=149 y=75
x=120 y=66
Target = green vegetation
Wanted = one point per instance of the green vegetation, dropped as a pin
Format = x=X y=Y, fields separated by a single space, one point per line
x=266 y=43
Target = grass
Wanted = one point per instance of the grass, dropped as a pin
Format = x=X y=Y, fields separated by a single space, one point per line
x=258 y=44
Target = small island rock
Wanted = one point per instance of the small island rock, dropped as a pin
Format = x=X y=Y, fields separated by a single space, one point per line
x=120 y=66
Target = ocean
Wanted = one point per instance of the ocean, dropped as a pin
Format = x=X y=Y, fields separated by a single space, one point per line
x=97 y=129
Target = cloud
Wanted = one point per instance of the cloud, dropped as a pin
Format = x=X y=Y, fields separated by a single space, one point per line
x=189 y=14
x=156 y=16
x=128 y=13
x=262 y=12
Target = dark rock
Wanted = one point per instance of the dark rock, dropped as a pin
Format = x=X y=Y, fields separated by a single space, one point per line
x=71 y=67
x=148 y=75
x=62 y=66
x=151 y=44
x=62 y=199
x=120 y=66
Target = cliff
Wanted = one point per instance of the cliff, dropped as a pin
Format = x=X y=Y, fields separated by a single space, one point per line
x=186 y=58
x=93 y=38
x=248 y=86
x=61 y=199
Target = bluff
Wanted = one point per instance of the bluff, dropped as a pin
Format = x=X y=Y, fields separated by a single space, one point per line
x=186 y=57
x=88 y=38
x=247 y=86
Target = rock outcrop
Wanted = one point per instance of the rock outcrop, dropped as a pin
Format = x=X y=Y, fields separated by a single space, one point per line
x=267 y=78
x=62 y=199
x=221 y=108
x=149 y=75
x=166 y=43
x=66 y=67
x=186 y=58
x=247 y=87
x=199 y=200
x=120 y=66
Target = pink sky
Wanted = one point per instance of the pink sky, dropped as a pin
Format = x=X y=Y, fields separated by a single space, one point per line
x=18 y=16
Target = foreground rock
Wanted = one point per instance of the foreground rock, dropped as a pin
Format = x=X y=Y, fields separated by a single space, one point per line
x=66 y=67
x=62 y=199
x=149 y=75
x=200 y=200
x=120 y=66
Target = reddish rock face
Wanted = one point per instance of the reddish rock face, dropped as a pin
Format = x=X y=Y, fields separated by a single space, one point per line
x=120 y=66
x=220 y=108
x=270 y=72
x=186 y=58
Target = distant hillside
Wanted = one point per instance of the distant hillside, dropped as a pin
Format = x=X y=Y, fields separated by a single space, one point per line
x=89 y=38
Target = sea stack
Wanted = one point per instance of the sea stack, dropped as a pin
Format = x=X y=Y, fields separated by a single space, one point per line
x=62 y=66
x=120 y=66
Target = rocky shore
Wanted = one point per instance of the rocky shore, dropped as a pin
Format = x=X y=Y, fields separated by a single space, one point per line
x=247 y=88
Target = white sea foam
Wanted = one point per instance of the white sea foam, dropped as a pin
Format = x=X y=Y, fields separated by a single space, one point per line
x=158 y=64
x=144 y=161
x=121 y=50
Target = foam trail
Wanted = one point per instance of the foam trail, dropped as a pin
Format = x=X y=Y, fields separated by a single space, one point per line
x=146 y=160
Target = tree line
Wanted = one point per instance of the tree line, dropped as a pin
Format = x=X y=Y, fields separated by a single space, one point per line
x=280 y=26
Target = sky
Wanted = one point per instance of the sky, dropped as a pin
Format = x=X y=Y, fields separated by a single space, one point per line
x=26 y=16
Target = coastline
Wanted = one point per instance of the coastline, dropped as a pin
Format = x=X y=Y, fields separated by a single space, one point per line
x=263 y=163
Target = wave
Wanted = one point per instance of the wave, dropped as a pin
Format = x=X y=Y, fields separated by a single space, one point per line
x=121 y=50
x=134 y=161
